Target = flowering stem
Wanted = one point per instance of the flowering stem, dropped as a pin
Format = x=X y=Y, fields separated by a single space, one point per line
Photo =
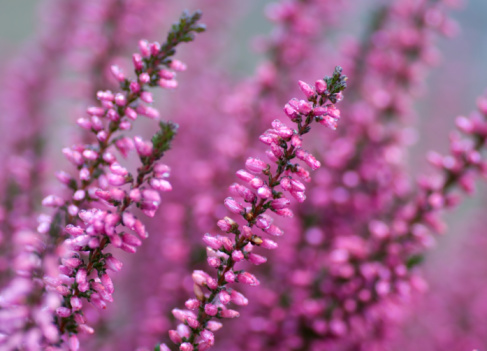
x=223 y=253
x=103 y=180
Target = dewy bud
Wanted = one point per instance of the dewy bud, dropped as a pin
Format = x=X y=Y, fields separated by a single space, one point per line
x=306 y=89
x=320 y=86
x=248 y=278
x=255 y=165
x=233 y=206
x=226 y=224
x=117 y=73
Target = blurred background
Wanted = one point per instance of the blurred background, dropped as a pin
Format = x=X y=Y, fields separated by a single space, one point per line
x=450 y=89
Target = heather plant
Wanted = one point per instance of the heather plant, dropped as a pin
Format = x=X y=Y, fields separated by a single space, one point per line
x=196 y=330
x=103 y=191
x=350 y=263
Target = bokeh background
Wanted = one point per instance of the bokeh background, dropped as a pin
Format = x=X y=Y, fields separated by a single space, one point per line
x=450 y=89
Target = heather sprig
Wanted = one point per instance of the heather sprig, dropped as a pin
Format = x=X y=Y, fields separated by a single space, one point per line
x=336 y=293
x=285 y=144
x=104 y=191
x=457 y=171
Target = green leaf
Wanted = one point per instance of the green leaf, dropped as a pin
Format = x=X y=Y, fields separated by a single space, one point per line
x=414 y=260
x=157 y=348
x=161 y=141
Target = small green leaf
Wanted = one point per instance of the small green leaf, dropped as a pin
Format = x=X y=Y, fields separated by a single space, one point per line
x=157 y=348
x=414 y=260
x=161 y=141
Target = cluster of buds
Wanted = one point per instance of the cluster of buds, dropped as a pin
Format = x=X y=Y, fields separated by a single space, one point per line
x=104 y=192
x=214 y=294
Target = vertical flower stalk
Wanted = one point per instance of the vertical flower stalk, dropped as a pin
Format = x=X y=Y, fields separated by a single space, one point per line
x=103 y=196
x=264 y=192
x=457 y=171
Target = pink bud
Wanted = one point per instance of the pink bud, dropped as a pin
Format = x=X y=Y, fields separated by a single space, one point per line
x=192 y=304
x=280 y=203
x=268 y=244
x=213 y=326
x=160 y=184
x=290 y=109
x=255 y=165
x=186 y=346
x=256 y=259
x=125 y=145
x=117 y=73
x=76 y=303
x=200 y=277
x=174 y=336
x=144 y=148
x=230 y=277
x=304 y=107
x=74 y=231
x=193 y=322
x=246 y=232
x=229 y=314
x=134 y=87
x=213 y=262
x=281 y=129
x=52 y=201
x=208 y=336
x=233 y=206
x=113 y=264
x=242 y=191
x=211 y=309
x=298 y=195
x=155 y=48
x=137 y=61
x=131 y=240
x=237 y=256
x=244 y=175
x=306 y=89
x=81 y=276
x=95 y=111
x=168 y=83
x=226 y=224
x=238 y=299
x=277 y=152
x=264 y=192
x=146 y=96
x=104 y=95
x=320 y=111
x=144 y=78
x=312 y=162
x=73 y=343
x=333 y=112
x=63 y=312
x=107 y=283
x=224 y=297
x=84 y=123
x=263 y=221
x=148 y=111
x=177 y=65
x=144 y=48
x=166 y=74
x=139 y=228
x=256 y=182
x=248 y=278
x=212 y=241
x=320 y=86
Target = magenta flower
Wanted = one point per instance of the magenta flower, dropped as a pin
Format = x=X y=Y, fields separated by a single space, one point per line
x=214 y=293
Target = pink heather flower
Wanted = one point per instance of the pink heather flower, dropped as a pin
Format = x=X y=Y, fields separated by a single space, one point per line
x=320 y=86
x=307 y=89
x=255 y=165
x=233 y=206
